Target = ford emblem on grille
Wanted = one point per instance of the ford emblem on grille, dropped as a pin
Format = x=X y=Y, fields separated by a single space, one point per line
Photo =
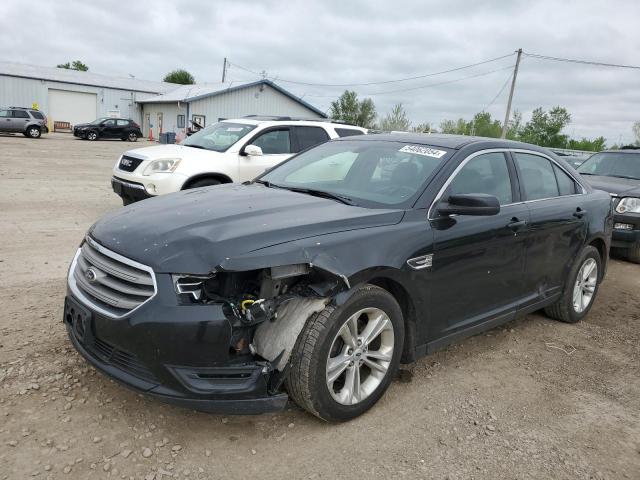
x=91 y=275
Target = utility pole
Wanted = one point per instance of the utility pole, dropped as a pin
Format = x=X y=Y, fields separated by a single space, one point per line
x=224 y=70
x=505 y=125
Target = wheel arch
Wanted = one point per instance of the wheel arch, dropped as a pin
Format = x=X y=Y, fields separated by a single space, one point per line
x=222 y=178
x=403 y=297
x=601 y=245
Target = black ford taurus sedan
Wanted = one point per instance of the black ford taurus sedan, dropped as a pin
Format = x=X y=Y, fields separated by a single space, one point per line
x=618 y=172
x=317 y=279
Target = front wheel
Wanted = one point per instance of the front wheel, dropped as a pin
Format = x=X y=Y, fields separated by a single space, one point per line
x=33 y=132
x=580 y=289
x=91 y=136
x=346 y=356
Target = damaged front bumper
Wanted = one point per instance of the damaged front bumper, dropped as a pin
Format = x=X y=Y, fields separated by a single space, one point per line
x=182 y=355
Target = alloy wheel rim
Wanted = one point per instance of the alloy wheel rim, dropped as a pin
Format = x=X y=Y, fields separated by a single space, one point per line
x=360 y=356
x=132 y=137
x=585 y=285
x=92 y=136
x=34 y=132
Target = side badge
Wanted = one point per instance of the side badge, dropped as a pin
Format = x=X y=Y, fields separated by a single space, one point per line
x=420 y=263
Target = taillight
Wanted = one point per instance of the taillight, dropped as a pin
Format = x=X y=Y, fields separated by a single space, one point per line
x=136 y=125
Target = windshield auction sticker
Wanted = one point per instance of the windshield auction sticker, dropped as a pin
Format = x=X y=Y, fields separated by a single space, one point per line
x=420 y=150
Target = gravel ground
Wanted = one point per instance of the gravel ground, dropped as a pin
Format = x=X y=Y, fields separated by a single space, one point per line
x=532 y=399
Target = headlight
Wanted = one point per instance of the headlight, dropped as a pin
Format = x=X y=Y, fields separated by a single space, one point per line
x=165 y=165
x=629 y=205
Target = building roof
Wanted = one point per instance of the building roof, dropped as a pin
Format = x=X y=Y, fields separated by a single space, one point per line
x=190 y=93
x=83 y=78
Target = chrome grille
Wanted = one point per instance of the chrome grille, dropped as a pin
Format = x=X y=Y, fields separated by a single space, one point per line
x=111 y=283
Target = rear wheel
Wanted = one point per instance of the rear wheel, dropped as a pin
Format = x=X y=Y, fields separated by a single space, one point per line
x=91 y=135
x=205 y=182
x=33 y=132
x=132 y=137
x=346 y=356
x=581 y=288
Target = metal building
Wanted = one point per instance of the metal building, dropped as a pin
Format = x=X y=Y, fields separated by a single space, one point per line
x=72 y=96
x=79 y=97
x=209 y=103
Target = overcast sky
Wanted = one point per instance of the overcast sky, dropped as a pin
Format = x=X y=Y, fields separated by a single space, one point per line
x=340 y=42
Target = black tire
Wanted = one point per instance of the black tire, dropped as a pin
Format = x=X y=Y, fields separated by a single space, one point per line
x=633 y=253
x=306 y=381
x=33 y=132
x=563 y=309
x=205 y=182
x=91 y=135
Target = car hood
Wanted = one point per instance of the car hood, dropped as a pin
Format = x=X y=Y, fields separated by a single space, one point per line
x=195 y=231
x=170 y=151
x=615 y=185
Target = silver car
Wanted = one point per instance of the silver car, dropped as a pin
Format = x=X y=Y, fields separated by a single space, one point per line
x=28 y=121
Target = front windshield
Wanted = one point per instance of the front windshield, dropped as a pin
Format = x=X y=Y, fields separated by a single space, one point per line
x=219 y=136
x=613 y=164
x=99 y=120
x=375 y=174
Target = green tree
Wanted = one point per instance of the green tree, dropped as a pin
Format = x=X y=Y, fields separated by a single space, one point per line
x=75 y=65
x=357 y=112
x=483 y=125
x=455 y=127
x=422 y=128
x=396 y=120
x=545 y=128
x=515 y=126
x=595 y=145
x=179 y=76
x=636 y=133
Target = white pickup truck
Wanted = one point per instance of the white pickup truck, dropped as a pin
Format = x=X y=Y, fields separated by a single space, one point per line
x=225 y=152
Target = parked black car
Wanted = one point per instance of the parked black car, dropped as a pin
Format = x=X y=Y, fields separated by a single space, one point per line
x=121 y=128
x=618 y=172
x=316 y=280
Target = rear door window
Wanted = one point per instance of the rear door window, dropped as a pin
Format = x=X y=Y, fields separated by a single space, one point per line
x=123 y=123
x=309 y=137
x=536 y=176
x=20 y=114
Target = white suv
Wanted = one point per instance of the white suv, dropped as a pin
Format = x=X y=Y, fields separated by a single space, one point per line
x=225 y=152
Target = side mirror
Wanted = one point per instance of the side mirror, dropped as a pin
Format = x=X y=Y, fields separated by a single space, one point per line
x=252 y=150
x=478 y=204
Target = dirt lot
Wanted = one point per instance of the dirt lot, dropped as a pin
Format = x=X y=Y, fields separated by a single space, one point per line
x=534 y=399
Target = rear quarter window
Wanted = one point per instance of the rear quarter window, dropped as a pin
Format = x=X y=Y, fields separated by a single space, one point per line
x=37 y=115
x=348 y=132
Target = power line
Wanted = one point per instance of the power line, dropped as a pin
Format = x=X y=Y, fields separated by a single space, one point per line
x=583 y=62
x=382 y=82
x=506 y=82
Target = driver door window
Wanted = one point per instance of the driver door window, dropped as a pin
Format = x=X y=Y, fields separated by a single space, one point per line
x=487 y=173
x=274 y=142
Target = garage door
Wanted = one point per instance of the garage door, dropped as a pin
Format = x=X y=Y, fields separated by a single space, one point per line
x=72 y=107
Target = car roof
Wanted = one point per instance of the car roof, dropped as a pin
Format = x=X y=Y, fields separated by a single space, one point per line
x=454 y=142
x=269 y=121
x=622 y=150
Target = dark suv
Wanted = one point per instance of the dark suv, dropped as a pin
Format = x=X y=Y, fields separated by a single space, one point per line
x=28 y=121
x=618 y=172
x=317 y=279
x=121 y=128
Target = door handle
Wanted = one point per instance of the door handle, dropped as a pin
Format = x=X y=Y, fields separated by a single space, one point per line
x=516 y=224
x=579 y=213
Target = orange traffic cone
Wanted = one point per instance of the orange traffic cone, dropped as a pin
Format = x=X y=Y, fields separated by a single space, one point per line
x=151 y=134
